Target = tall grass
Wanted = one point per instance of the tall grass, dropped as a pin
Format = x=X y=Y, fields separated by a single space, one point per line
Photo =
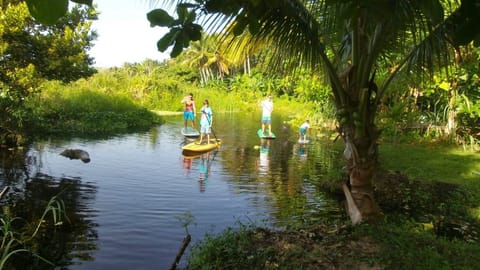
x=71 y=109
x=14 y=242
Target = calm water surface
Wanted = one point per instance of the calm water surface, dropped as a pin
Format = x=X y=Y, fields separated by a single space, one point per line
x=131 y=201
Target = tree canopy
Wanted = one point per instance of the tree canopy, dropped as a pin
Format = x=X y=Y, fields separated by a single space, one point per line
x=31 y=52
x=50 y=11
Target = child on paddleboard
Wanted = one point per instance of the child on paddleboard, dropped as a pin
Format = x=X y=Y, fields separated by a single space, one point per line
x=302 y=132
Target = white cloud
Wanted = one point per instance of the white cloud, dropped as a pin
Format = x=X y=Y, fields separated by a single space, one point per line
x=124 y=34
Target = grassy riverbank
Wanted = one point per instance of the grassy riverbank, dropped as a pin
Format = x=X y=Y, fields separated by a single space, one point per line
x=83 y=111
x=109 y=103
x=432 y=216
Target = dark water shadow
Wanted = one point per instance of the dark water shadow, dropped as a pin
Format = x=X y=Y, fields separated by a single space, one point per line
x=27 y=195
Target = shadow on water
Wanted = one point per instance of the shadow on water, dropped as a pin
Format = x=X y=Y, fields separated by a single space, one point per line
x=27 y=196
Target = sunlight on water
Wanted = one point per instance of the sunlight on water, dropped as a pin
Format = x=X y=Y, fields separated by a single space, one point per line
x=129 y=199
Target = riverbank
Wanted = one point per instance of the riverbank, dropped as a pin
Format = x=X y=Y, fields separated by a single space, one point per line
x=430 y=197
x=166 y=113
x=405 y=239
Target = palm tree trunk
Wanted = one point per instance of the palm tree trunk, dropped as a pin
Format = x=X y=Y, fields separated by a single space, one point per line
x=202 y=76
x=361 y=157
x=356 y=114
x=248 y=64
x=451 y=128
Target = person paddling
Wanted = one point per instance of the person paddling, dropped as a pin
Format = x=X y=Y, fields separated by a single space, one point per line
x=206 y=121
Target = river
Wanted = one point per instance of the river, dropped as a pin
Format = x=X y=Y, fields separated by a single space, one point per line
x=131 y=205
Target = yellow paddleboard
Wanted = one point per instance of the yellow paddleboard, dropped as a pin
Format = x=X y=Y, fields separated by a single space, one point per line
x=195 y=147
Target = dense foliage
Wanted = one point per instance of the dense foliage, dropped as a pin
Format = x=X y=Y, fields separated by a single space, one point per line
x=441 y=108
x=117 y=99
x=349 y=41
x=31 y=52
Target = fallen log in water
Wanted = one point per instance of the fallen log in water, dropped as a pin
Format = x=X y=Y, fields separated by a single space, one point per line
x=5 y=189
x=186 y=240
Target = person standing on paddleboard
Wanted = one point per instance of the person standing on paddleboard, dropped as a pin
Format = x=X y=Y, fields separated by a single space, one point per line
x=302 y=132
x=189 y=110
x=267 y=106
x=206 y=121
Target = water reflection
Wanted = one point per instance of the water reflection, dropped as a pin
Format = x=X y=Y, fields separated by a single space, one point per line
x=187 y=164
x=204 y=170
x=123 y=203
x=263 y=159
x=301 y=151
x=14 y=166
x=29 y=193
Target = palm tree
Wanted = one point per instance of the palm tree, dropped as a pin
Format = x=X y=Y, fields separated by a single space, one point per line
x=205 y=55
x=348 y=40
x=239 y=49
x=199 y=55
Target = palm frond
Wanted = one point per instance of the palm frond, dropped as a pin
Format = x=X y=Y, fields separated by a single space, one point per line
x=330 y=35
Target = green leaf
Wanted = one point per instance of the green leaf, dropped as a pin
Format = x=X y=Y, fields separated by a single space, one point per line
x=444 y=86
x=191 y=16
x=186 y=40
x=85 y=2
x=178 y=47
x=433 y=9
x=159 y=17
x=168 y=39
x=182 y=13
x=194 y=32
x=47 y=11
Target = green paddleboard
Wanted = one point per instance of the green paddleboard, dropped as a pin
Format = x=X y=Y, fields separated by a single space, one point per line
x=267 y=135
x=190 y=132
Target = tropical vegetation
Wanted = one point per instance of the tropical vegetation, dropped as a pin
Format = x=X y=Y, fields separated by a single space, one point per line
x=32 y=53
x=349 y=41
x=20 y=238
x=373 y=71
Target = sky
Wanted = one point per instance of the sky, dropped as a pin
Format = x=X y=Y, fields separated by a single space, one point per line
x=124 y=33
